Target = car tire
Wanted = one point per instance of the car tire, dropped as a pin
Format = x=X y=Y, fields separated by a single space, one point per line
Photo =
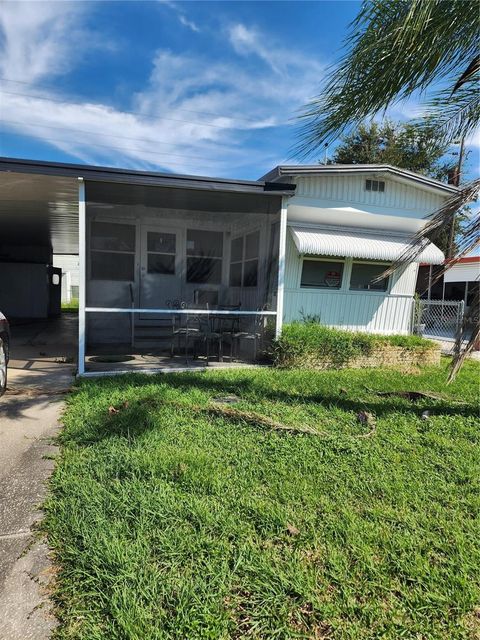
x=3 y=366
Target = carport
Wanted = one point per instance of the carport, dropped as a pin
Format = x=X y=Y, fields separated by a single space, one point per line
x=148 y=226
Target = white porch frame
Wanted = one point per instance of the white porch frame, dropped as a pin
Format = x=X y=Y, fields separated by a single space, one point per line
x=82 y=270
x=83 y=309
x=282 y=242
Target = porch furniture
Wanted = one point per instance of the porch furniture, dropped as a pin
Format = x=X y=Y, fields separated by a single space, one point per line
x=253 y=332
x=206 y=335
x=186 y=327
x=227 y=326
x=206 y=296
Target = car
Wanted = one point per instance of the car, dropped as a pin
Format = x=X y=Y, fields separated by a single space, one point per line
x=4 y=352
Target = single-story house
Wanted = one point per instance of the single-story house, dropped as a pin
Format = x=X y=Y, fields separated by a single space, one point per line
x=156 y=250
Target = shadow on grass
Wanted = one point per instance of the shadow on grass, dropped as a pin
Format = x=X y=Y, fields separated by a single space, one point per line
x=140 y=415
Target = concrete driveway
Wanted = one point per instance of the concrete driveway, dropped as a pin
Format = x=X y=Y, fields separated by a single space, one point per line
x=40 y=373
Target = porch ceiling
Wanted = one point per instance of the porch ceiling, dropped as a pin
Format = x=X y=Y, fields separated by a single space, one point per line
x=39 y=210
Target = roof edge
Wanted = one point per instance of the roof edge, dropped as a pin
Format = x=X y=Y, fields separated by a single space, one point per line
x=148 y=178
x=331 y=169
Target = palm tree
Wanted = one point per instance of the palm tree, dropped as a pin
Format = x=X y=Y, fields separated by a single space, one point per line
x=397 y=49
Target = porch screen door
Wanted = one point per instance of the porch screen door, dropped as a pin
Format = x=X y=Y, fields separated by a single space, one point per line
x=160 y=266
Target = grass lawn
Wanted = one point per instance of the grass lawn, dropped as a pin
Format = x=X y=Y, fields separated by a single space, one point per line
x=70 y=307
x=172 y=522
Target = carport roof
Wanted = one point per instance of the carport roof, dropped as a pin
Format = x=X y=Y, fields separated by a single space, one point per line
x=39 y=200
x=146 y=178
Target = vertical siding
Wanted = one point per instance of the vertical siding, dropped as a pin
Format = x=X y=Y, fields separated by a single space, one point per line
x=352 y=310
x=351 y=189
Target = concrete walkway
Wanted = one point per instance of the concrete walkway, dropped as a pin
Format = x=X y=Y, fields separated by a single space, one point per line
x=39 y=375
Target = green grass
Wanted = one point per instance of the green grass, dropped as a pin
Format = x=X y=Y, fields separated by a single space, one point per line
x=303 y=344
x=70 y=307
x=170 y=523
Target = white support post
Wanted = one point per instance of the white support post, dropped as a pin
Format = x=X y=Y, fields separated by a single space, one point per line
x=281 y=267
x=82 y=275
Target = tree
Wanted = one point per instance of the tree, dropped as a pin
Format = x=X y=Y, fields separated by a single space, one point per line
x=401 y=144
x=398 y=49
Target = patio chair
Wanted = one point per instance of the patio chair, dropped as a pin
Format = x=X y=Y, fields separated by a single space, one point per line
x=254 y=333
x=184 y=327
x=227 y=326
x=205 y=334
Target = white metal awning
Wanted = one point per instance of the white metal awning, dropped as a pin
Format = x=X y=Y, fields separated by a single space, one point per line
x=358 y=243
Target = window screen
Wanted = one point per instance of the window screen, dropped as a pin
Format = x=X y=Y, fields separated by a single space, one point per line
x=244 y=260
x=112 y=251
x=322 y=274
x=204 y=243
x=363 y=274
x=161 y=250
x=204 y=256
x=106 y=236
x=112 y=266
x=204 y=270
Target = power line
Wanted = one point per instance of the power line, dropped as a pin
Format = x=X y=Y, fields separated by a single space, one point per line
x=111 y=135
x=205 y=113
x=135 y=113
x=106 y=146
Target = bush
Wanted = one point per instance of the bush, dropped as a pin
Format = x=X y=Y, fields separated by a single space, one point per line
x=307 y=344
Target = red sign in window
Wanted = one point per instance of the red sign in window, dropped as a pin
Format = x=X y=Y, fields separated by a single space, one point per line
x=332 y=278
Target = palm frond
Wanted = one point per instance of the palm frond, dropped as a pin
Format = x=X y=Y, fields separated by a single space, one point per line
x=460 y=353
x=395 y=47
x=469 y=74
x=453 y=116
x=468 y=241
x=442 y=218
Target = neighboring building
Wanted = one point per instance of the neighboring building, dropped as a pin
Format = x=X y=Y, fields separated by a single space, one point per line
x=460 y=282
x=69 y=266
x=303 y=241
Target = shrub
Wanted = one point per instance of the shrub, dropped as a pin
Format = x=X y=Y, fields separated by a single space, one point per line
x=309 y=344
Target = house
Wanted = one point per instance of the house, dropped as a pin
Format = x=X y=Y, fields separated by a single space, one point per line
x=156 y=250
x=69 y=267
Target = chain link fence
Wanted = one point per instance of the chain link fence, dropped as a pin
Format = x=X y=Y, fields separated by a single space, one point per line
x=439 y=319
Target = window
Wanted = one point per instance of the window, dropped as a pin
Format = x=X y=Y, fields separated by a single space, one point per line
x=112 y=251
x=363 y=274
x=161 y=251
x=322 y=274
x=244 y=260
x=375 y=185
x=204 y=256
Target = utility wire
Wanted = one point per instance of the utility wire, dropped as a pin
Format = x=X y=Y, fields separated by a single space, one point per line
x=106 y=146
x=112 y=135
x=204 y=113
x=135 y=113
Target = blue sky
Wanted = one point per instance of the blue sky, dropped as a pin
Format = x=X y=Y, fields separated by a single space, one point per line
x=208 y=88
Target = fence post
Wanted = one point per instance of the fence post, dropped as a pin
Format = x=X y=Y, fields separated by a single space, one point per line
x=413 y=313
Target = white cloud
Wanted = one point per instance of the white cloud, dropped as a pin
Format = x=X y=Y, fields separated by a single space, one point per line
x=247 y=41
x=38 y=38
x=188 y=23
x=195 y=115
x=181 y=15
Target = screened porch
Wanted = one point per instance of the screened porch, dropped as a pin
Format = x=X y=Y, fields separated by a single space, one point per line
x=179 y=278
